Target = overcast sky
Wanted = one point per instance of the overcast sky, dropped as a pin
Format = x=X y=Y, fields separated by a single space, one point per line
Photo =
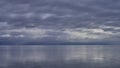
x=88 y=21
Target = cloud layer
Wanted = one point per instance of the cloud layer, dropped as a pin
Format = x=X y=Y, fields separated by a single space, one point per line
x=60 y=21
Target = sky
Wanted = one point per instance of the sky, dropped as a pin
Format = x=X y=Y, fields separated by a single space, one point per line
x=59 y=21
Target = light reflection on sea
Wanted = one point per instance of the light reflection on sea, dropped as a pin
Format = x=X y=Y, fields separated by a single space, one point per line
x=104 y=55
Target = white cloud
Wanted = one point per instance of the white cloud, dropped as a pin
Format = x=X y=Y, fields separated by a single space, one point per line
x=28 y=15
x=29 y=32
x=6 y=35
x=25 y=15
x=93 y=30
x=10 y=35
x=110 y=27
x=87 y=34
x=4 y=24
x=20 y=36
x=79 y=35
x=76 y=34
x=46 y=15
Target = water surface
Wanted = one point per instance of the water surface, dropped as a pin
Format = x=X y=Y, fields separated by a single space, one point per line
x=43 y=56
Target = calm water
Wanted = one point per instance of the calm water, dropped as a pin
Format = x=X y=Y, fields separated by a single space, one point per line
x=83 y=56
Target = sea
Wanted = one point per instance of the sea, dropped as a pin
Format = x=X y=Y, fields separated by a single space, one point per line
x=60 y=56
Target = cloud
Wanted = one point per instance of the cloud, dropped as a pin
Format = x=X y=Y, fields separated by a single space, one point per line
x=87 y=34
x=47 y=15
x=67 y=20
x=56 y=35
x=4 y=25
x=27 y=32
x=112 y=28
x=6 y=35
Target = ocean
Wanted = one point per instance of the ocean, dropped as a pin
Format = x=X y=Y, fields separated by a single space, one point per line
x=60 y=56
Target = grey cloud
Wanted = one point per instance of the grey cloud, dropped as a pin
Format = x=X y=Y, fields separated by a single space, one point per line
x=59 y=15
x=85 y=13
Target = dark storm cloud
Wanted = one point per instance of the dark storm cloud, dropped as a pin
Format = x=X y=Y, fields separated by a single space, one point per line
x=59 y=19
x=78 y=12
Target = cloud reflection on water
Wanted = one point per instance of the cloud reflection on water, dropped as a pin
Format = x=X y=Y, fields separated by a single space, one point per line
x=84 y=53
